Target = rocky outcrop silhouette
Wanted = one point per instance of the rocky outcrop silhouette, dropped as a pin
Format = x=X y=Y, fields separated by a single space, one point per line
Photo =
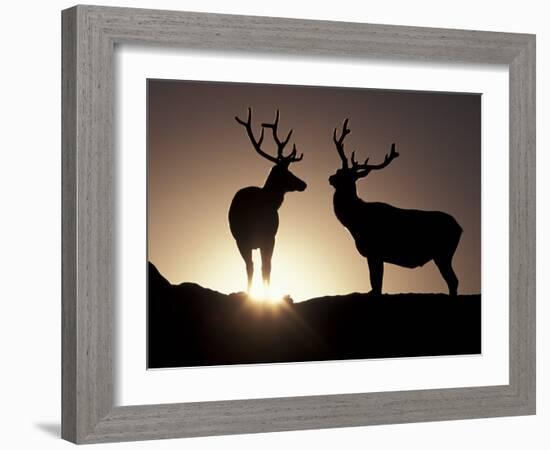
x=189 y=325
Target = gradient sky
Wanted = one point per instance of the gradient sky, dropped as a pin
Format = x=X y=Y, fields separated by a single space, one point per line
x=199 y=157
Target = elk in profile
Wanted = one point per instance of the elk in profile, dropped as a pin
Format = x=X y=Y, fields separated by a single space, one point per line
x=386 y=234
x=253 y=216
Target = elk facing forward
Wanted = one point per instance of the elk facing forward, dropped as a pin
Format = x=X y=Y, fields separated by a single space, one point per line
x=253 y=216
x=386 y=234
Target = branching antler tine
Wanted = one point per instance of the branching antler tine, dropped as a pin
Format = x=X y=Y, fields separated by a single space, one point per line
x=256 y=143
x=292 y=157
x=339 y=142
x=273 y=125
x=345 y=130
x=293 y=152
x=355 y=163
x=261 y=138
x=387 y=160
x=248 y=120
x=282 y=145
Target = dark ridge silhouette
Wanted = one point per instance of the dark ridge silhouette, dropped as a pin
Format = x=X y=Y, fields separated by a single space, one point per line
x=253 y=216
x=189 y=325
x=386 y=234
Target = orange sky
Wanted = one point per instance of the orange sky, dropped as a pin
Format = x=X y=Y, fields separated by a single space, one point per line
x=199 y=157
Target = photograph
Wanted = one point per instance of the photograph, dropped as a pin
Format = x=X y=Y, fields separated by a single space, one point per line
x=290 y=223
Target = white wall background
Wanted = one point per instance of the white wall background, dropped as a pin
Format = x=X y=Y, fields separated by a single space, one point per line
x=30 y=235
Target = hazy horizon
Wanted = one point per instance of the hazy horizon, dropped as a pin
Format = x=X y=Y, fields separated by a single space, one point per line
x=199 y=157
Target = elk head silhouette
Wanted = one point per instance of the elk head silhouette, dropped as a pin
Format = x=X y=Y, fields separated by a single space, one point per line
x=253 y=216
x=386 y=234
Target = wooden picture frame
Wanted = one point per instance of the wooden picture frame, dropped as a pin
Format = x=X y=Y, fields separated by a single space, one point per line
x=90 y=34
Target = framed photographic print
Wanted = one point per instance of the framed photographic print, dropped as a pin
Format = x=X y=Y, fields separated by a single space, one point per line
x=292 y=308
x=276 y=224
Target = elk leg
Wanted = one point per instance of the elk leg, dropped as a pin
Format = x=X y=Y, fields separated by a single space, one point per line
x=376 y=269
x=446 y=269
x=246 y=253
x=267 y=252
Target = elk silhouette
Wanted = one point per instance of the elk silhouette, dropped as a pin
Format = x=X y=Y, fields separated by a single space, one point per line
x=253 y=216
x=386 y=234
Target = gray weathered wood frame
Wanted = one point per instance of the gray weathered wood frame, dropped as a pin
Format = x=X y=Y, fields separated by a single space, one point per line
x=89 y=37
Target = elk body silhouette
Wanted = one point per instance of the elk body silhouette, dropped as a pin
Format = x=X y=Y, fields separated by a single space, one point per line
x=386 y=234
x=253 y=214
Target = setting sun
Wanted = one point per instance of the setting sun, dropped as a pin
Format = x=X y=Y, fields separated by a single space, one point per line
x=261 y=293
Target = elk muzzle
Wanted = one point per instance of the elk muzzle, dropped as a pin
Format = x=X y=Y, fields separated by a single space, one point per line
x=301 y=187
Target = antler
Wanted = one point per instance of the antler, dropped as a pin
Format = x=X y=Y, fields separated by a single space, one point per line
x=340 y=143
x=366 y=167
x=257 y=144
x=280 y=159
x=360 y=170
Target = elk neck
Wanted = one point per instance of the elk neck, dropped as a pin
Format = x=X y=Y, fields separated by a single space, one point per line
x=346 y=203
x=275 y=194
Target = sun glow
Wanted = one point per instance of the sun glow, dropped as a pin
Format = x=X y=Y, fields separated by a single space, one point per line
x=261 y=293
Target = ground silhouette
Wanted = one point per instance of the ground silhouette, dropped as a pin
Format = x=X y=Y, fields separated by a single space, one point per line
x=253 y=213
x=189 y=325
x=386 y=234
